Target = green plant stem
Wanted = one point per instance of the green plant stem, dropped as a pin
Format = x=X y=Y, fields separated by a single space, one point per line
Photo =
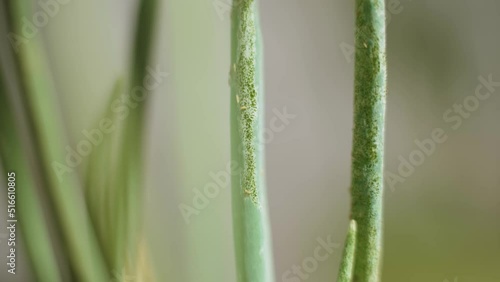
x=347 y=263
x=101 y=189
x=130 y=194
x=46 y=121
x=31 y=219
x=250 y=219
x=368 y=137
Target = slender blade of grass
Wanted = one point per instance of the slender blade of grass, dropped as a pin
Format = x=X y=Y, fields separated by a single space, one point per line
x=65 y=188
x=102 y=190
x=130 y=171
x=31 y=219
x=347 y=263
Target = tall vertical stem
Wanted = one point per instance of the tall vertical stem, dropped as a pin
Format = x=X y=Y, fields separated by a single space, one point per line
x=250 y=219
x=31 y=217
x=131 y=160
x=368 y=137
x=50 y=139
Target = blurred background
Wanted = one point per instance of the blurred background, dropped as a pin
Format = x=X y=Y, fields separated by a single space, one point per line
x=441 y=223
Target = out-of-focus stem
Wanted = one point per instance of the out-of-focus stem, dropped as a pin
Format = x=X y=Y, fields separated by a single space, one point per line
x=347 y=263
x=62 y=181
x=31 y=219
x=131 y=162
x=102 y=189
